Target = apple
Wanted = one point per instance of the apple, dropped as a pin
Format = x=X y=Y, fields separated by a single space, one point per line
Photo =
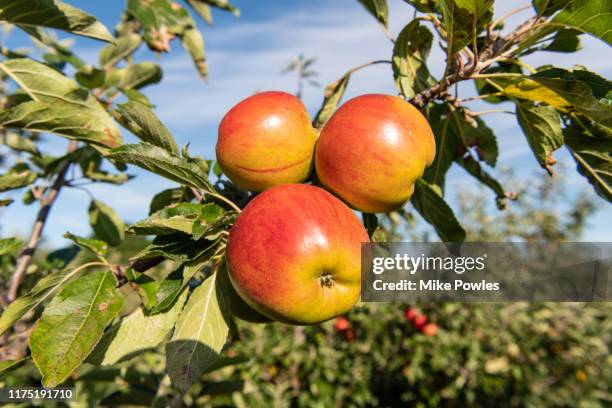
x=238 y=307
x=419 y=321
x=372 y=151
x=430 y=329
x=294 y=253
x=266 y=140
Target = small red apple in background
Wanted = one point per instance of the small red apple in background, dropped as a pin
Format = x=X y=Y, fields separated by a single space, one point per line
x=294 y=254
x=372 y=150
x=266 y=140
x=342 y=324
x=419 y=321
x=410 y=313
x=430 y=329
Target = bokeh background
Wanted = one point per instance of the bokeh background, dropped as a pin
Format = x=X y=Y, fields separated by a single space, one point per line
x=247 y=54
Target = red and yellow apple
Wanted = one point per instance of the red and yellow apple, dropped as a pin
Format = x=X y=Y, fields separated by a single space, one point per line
x=294 y=254
x=266 y=140
x=372 y=150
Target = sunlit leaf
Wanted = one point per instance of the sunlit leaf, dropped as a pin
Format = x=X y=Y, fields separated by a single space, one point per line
x=106 y=223
x=72 y=324
x=542 y=128
x=59 y=105
x=135 y=334
x=379 y=9
x=141 y=121
x=53 y=14
x=99 y=248
x=160 y=161
x=410 y=54
x=333 y=94
x=44 y=289
x=589 y=16
x=199 y=336
x=121 y=48
x=436 y=212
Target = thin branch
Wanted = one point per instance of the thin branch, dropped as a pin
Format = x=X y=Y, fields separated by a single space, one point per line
x=474 y=114
x=478 y=97
x=510 y=14
x=388 y=33
x=367 y=64
x=225 y=200
x=25 y=258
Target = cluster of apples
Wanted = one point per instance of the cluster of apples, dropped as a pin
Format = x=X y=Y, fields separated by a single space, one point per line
x=294 y=253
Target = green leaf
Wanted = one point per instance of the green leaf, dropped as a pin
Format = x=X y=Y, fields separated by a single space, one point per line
x=548 y=7
x=53 y=14
x=136 y=76
x=474 y=168
x=135 y=334
x=436 y=212
x=447 y=144
x=6 y=202
x=426 y=6
x=565 y=41
x=202 y=9
x=220 y=4
x=17 y=177
x=121 y=48
x=379 y=9
x=162 y=20
x=410 y=54
x=211 y=222
x=106 y=223
x=199 y=336
x=141 y=121
x=591 y=148
x=90 y=77
x=72 y=324
x=480 y=138
x=542 y=128
x=9 y=245
x=463 y=21
x=18 y=143
x=332 y=96
x=169 y=220
x=162 y=162
x=99 y=248
x=10 y=365
x=589 y=16
x=568 y=91
x=193 y=42
x=43 y=290
x=59 y=105
x=168 y=197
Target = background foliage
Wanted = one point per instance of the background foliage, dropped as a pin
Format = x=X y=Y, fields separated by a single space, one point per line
x=136 y=313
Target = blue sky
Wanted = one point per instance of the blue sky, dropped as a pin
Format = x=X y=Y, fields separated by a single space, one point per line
x=246 y=55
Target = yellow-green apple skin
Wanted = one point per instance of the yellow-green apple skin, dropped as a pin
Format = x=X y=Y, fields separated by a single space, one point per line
x=372 y=150
x=294 y=255
x=266 y=140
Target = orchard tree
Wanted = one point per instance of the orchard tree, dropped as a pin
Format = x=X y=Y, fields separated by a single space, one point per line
x=176 y=295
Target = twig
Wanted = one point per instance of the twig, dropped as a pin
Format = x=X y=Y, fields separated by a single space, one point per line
x=367 y=64
x=225 y=200
x=474 y=114
x=25 y=257
x=388 y=33
x=478 y=97
x=509 y=14
x=497 y=49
